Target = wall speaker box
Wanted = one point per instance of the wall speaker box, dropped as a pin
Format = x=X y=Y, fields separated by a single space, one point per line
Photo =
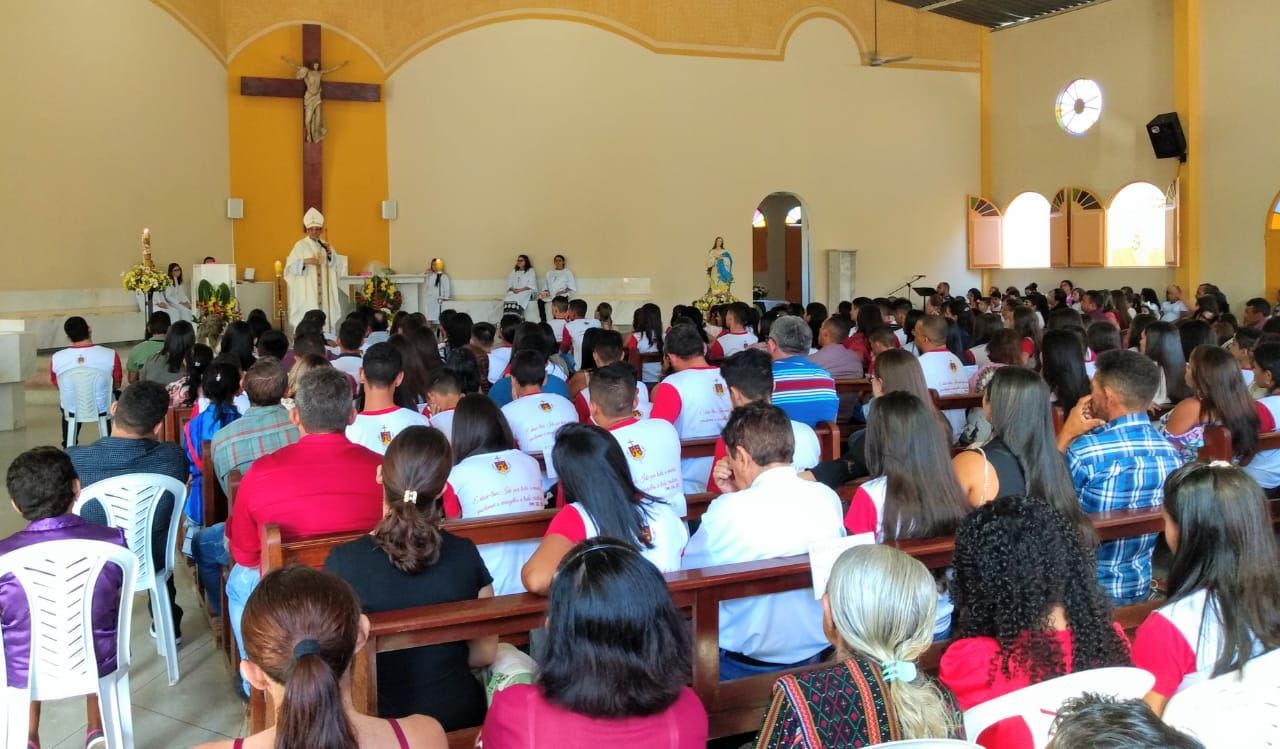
x=390 y=210
x=235 y=208
x=1167 y=139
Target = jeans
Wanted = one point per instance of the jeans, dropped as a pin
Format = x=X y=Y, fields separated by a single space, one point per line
x=240 y=583
x=732 y=668
x=211 y=555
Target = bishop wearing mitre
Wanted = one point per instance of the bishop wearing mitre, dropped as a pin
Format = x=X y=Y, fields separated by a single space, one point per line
x=312 y=272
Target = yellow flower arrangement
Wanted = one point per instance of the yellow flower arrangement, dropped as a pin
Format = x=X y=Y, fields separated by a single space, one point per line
x=144 y=279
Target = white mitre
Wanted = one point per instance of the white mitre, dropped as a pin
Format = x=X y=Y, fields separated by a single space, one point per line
x=312 y=218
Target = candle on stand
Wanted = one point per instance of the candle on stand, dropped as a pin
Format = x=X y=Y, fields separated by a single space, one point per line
x=279 y=269
x=146 y=249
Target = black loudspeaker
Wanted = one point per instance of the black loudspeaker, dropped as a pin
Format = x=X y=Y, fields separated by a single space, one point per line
x=1166 y=135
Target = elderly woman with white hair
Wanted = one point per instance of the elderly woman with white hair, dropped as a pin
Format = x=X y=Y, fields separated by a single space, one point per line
x=878 y=612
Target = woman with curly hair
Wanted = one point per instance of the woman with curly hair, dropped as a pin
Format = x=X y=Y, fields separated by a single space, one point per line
x=1027 y=609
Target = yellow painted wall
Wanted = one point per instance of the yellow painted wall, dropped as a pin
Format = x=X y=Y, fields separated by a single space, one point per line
x=547 y=136
x=266 y=155
x=1240 y=156
x=1127 y=46
x=112 y=121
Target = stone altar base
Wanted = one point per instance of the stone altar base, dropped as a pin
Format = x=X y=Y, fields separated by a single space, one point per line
x=17 y=363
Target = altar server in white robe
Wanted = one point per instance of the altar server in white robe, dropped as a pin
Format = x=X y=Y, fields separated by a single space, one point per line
x=437 y=290
x=174 y=299
x=522 y=285
x=312 y=272
x=559 y=281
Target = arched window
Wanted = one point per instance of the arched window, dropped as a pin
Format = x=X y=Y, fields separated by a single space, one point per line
x=1026 y=232
x=758 y=220
x=1136 y=227
x=794 y=216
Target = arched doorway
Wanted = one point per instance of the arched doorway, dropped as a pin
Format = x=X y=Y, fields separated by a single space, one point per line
x=780 y=247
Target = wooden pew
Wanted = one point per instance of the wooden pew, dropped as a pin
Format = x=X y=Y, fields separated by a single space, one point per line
x=175 y=422
x=637 y=361
x=735 y=707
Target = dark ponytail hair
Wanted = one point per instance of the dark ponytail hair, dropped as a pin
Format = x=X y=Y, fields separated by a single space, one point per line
x=198 y=361
x=418 y=461
x=300 y=627
x=593 y=470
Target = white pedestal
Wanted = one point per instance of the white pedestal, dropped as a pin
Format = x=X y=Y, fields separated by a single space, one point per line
x=17 y=363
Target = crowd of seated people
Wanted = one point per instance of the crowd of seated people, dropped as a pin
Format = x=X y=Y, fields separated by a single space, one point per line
x=397 y=428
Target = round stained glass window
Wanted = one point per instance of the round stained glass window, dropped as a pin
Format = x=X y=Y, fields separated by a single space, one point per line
x=1079 y=106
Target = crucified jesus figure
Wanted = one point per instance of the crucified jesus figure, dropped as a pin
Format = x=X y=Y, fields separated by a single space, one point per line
x=313 y=122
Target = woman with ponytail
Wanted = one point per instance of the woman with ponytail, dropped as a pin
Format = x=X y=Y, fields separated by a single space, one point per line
x=407 y=561
x=878 y=612
x=302 y=628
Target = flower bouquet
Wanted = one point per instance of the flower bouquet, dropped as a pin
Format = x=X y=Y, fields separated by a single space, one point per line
x=144 y=280
x=380 y=293
x=216 y=308
x=713 y=299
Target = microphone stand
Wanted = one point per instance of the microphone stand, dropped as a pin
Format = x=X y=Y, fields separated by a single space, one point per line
x=907 y=285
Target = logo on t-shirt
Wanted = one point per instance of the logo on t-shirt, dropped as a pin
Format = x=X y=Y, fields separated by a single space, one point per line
x=80 y=360
x=385 y=436
x=501 y=465
x=544 y=406
x=953 y=366
x=636 y=451
x=719 y=389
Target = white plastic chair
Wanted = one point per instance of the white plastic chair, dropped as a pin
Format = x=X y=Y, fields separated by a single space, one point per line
x=131 y=503
x=1240 y=710
x=58 y=578
x=930 y=744
x=90 y=398
x=1038 y=704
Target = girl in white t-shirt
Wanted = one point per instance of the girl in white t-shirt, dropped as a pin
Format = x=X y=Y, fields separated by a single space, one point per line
x=603 y=502
x=1224 y=586
x=646 y=338
x=491 y=477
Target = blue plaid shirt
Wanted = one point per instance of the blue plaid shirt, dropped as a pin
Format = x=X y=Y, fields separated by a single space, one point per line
x=1122 y=465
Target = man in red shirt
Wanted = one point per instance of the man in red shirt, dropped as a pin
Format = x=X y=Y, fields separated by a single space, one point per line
x=321 y=484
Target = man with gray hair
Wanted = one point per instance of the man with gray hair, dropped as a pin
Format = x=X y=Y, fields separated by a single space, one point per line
x=804 y=390
x=321 y=484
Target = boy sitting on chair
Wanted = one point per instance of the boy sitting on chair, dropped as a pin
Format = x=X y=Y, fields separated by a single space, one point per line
x=43 y=486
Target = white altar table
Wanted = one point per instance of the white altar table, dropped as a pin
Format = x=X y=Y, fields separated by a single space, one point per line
x=412 y=288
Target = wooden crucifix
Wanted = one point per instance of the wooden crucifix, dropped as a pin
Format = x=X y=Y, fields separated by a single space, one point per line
x=308 y=87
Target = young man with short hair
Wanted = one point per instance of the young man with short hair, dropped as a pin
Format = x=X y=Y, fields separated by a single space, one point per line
x=766 y=511
x=736 y=335
x=1118 y=461
x=157 y=328
x=804 y=390
x=943 y=370
x=351 y=334
x=264 y=428
x=83 y=352
x=693 y=398
x=575 y=327
x=381 y=420
x=559 y=316
x=749 y=375
x=42 y=487
x=608 y=350
x=535 y=416
x=443 y=394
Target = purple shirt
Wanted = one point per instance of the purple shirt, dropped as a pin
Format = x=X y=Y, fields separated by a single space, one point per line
x=15 y=614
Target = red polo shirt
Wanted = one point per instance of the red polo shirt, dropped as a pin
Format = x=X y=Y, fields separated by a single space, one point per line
x=322 y=484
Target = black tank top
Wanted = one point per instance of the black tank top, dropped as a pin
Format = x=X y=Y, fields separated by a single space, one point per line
x=1007 y=469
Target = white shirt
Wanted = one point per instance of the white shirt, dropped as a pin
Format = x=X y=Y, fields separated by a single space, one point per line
x=667 y=530
x=499 y=358
x=444 y=422
x=808 y=451
x=1172 y=311
x=652 y=448
x=779 y=515
x=521 y=279
x=437 y=289
x=500 y=483
x=703 y=402
x=94 y=357
x=728 y=344
x=534 y=420
x=350 y=364
x=650 y=371
x=944 y=372
x=376 y=429
x=575 y=330
x=557 y=328
x=561 y=282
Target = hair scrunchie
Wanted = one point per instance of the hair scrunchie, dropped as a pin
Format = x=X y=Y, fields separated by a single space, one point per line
x=306 y=647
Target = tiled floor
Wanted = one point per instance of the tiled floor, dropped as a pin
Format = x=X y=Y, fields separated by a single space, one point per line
x=202 y=706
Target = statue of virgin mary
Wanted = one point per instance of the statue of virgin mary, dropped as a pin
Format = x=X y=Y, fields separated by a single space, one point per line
x=719 y=268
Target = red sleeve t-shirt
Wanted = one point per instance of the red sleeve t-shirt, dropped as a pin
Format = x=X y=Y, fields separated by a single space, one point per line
x=1158 y=647
x=568 y=523
x=666 y=403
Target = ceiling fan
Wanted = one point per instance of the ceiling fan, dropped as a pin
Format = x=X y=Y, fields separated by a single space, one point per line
x=874 y=59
